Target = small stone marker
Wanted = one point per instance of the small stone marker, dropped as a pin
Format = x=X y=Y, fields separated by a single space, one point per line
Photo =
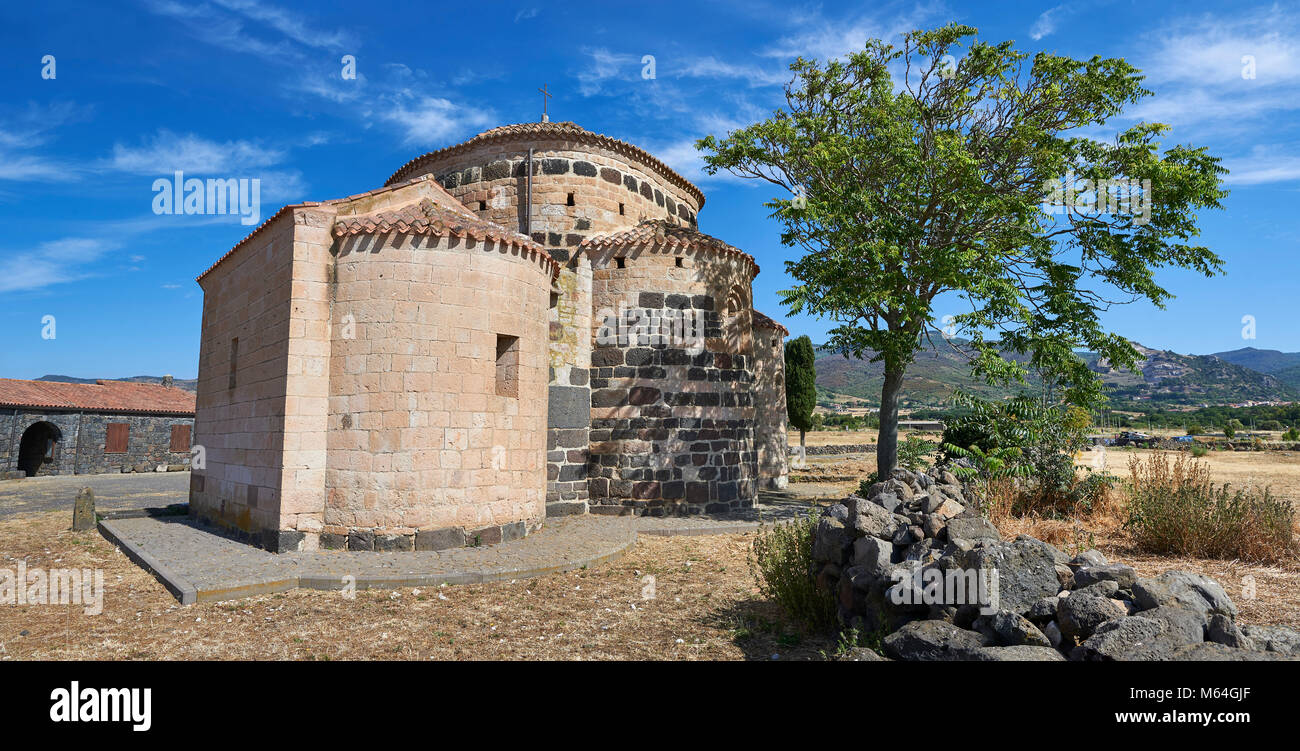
x=83 y=511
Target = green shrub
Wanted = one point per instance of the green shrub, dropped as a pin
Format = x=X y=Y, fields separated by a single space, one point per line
x=1175 y=509
x=912 y=452
x=784 y=569
x=1198 y=450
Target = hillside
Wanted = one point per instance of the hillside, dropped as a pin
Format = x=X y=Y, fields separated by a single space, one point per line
x=188 y=384
x=1164 y=378
x=1284 y=366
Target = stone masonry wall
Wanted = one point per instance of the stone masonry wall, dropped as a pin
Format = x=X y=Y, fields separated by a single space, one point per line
x=242 y=429
x=672 y=423
x=579 y=189
x=80 y=449
x=770 y=409
x=423 y=445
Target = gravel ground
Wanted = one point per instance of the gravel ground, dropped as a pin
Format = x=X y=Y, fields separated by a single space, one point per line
x=112 y=491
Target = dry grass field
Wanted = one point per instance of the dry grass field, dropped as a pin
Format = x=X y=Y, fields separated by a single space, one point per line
x=705 y=607
x=705 y=604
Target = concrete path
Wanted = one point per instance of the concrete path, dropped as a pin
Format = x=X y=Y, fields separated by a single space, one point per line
x=112 y=491
x=197 y=565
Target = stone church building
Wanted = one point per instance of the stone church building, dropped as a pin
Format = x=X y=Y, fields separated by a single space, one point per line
x=523 y=325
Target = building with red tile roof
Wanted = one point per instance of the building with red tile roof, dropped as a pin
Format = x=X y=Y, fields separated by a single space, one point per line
x=523 y=325
x=51 y=427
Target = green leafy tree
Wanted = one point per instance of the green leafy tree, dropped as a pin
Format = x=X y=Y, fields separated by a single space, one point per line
x=921 y=170
x=800 y=384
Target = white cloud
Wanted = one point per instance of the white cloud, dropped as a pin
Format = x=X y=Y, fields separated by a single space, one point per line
x=22 y=136
x=1209 y=52
x=273 y=33
x=1265 y=164
x=167 y=152
x=711 y=67
x=527 y=13
x=26 y=168
x=821 y=38
x=53 y=262
x=289 y=24
x=331 y=86
x=688 y=162
x=429 y=120
x=605 y=66
x=1048 y=20
x=1195 y=68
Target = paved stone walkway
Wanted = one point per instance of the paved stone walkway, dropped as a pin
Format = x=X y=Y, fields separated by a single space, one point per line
x=112 y=491
x=197 y=564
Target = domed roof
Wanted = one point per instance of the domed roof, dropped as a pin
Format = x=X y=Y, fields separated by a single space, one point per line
x=561 y=130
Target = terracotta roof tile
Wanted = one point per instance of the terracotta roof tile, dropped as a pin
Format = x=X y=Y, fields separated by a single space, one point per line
x=428 y=217
x=665 y=233
x=442 y=198
x=566 y=130
x=762 y=321
x=102 y=396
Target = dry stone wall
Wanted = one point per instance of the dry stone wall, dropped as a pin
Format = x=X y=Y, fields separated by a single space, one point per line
x=914 y=562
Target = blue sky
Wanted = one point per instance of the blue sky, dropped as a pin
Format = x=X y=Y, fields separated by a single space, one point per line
x=231 y=88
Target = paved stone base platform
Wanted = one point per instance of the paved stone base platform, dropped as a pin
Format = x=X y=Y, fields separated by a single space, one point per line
x=198 y=564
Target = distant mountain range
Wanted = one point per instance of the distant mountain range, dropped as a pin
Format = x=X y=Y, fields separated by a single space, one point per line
x=1284 y=366
x=189 y=384
x=1162 y=378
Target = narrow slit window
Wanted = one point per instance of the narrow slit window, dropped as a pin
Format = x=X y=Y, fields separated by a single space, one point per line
x=571 y=201
x=621 y=262
x=507 y=365
x=679 y=262
x=482 y=205
x=621 y=212
x=234 y=361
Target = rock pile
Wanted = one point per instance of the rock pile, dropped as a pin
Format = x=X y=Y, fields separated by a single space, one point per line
x=914 y=560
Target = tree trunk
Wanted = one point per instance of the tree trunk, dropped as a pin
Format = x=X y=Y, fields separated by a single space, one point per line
x=887 y=445
x=802 y=442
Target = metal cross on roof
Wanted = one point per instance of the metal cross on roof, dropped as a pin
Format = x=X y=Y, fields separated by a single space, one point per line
x=546 y=95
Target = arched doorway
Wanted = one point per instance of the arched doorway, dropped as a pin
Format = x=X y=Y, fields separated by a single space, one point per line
x=37 y=445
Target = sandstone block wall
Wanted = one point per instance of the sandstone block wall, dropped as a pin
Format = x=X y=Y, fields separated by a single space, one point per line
x=769 y=408
x=420 y=438
x=240 y=417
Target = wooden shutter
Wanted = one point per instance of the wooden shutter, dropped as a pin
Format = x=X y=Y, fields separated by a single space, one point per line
x=180 y=438
x=115 y=441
